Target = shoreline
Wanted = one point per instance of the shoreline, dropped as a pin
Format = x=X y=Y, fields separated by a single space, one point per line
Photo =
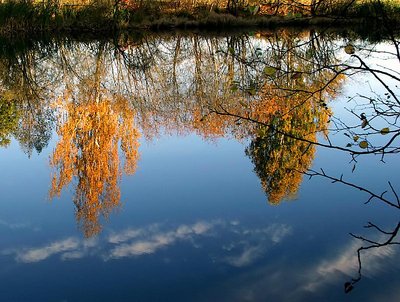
x=215 y=22
x=25 y=19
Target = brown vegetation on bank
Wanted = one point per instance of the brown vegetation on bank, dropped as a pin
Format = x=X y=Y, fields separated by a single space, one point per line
x=110 y=15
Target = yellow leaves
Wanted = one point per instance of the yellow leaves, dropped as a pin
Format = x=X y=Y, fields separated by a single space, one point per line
x=270 y=71
x=90 y=133
x=349 y=49
x=385 y=131
x=363 y=144
x=277 y=157
x=277 y=160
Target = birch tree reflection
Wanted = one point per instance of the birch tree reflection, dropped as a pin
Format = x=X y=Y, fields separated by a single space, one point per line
x=91 y=126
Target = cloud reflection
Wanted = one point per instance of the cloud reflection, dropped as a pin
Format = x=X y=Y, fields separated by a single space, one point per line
x=42 y=253
x=237 y=245
x=159 y=240
x=14 y=226
x=308 y=281
x=247 y=256
x=255 y=245
x=69 y=249
x=346 y=263
x=125 y=235
x=227 y=243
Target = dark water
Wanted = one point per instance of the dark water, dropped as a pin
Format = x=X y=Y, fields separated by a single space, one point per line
x=144 y=169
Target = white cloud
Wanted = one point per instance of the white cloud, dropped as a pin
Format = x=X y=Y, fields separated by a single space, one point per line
x=246 y=257
x=347 y=263
x=90 y=243
x=278 y=231
x=158 y=240
x=72 y=255
x=42 y=253
x=140 y=247
x=14 y=226
x=254 y=243
x=250 y=244
x=202 y=227
x=124 y=236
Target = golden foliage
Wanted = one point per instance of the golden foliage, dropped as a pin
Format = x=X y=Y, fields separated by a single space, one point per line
x=278 y=158
x=90 y=134
x=283 y=148
x=289 y=110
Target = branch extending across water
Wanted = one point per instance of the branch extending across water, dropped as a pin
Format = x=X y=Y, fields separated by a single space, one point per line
x=370 y=243
x=381 y=150
x=373 y=244
x=312 y=173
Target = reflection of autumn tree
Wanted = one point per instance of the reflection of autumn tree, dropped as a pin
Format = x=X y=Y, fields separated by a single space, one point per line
x=287 y=104
x=281 y=81
x=292 y=111
x=176 y=84
x=277 y=158
x=88 y=150
x=8 y=121
x=91 y=128
x=24 y=81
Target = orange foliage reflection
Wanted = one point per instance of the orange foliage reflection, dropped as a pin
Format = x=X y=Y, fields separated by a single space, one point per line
x=289 y=108
x=90 y=134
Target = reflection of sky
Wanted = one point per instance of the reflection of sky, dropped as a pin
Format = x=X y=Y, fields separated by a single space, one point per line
x=247 y=247
x=191 y=228
x=195 y=226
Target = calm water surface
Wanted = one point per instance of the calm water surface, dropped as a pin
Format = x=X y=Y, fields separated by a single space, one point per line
x=122 y=179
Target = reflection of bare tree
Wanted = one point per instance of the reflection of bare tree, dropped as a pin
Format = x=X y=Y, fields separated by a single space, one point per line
x=374 y=129
x=24 y=80
x=371 y=244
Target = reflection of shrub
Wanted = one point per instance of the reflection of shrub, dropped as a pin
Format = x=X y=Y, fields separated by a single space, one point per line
x=8 y=121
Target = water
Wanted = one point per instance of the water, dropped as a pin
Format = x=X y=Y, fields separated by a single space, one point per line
x=120 y=182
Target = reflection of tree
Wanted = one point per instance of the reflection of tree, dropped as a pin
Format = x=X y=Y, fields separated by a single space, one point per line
x=277 y=157
x=374 y=131
x=88 y=150
x=91 y=127
x=35 y=126
x=24 y=81
x=284 y=103
x=8 y=121
x=276 y=160
x=177 y=84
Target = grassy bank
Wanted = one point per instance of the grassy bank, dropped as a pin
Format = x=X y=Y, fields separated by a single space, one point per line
x=102 y=16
